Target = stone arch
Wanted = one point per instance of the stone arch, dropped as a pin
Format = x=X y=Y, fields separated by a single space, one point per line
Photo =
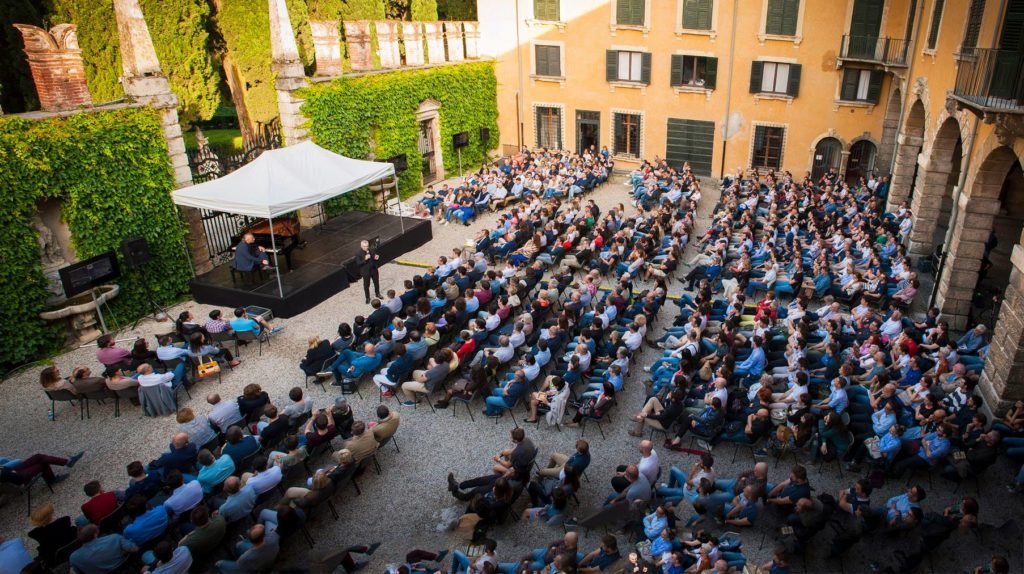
x=910 y=140
x=814 y=164
x=931 y=201
x=890 y=127
x=975 y=219
x=428 y=119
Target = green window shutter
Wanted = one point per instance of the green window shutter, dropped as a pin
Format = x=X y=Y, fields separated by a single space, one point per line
x=849 y=90
x=794 y=80
x=933 y=32
x=558 y=128
x=697 y=14
x=791 y=11
x=541 y=55
x=875 y=86
x=711 y=73
x=546 y=10
x=974 y=18
x=629 y=12
x=756 y=73
x=676 y=76
x=704 y=15
x=773 y=22
x=555 y=53
x=611 y=65
x=645 y=67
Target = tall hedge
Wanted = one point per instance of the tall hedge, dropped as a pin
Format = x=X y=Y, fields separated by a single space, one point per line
x=347 y=113
x=423 y=10
x=245 y=26
x=111 y=172
x=179 y=32
x=456 y=9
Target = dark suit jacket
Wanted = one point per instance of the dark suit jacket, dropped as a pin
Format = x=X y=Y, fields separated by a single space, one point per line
x=367 y=267
x=180 y=459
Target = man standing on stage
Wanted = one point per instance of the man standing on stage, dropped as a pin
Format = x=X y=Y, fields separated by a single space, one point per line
x=368 y=269
x=249 y=256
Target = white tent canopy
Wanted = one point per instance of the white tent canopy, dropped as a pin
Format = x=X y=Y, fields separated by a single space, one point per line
x=282 y=180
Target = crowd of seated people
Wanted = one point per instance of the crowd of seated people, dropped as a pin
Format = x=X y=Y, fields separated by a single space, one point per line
x=853 y=379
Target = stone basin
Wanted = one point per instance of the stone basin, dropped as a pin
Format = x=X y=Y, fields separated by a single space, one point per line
x=79 y=314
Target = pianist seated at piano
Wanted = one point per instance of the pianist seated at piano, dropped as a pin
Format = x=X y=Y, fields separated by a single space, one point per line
x=249 y=256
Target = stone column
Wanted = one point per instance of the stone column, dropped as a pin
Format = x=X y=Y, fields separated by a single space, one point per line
x=453 y=38
x=1002 y=381
x=926 y=205
x=435 y=42
x=903 y=173
x=56 y=64
x=960 y=274
x=145 y=83
x=360 y=49
x=327 y=45
x=412 y=36
x=387 y=44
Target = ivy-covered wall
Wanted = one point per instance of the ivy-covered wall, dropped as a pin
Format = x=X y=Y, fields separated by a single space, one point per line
x=349 y=114
x=111 y=172
x=181 y=39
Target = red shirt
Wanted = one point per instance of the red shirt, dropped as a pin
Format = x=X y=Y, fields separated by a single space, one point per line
x=100 y=506
x=465 y=349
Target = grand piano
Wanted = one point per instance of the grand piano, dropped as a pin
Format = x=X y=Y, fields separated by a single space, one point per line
x=285 y=233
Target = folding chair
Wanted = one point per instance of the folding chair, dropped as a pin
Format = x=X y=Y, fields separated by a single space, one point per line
x=467 y=402
x=64 y=396
x=249 y=336
x=323 y=368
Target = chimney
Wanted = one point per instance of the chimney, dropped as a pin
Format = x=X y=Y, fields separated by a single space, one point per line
x=327 y=45
x=56 y=64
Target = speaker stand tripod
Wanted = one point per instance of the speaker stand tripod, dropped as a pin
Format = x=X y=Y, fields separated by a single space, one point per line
x=157 y=310
x=99 y=303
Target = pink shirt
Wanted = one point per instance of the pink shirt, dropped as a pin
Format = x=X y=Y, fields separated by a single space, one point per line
x=113 y=355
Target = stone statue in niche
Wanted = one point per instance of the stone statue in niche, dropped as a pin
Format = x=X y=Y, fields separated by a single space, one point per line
x=52 y=257
x=49 y=251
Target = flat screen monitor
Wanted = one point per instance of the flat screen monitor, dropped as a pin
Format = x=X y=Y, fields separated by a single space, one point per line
x=84 y=275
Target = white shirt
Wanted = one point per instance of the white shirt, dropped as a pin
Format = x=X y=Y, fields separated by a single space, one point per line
x=154 y=379
x=265 y=480
x=649 y=466
x=632 y=340
x=504 y=354
x=224 y=414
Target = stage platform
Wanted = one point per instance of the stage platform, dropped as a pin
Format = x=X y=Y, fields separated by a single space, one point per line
x=324 y=267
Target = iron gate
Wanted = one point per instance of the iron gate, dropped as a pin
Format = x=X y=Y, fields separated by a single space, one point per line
x=208 y=163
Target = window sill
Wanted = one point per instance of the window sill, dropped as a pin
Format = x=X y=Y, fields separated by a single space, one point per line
x=628 y=84
x=771 y=96
x=624 y=157
x=712 y=34
x=836 y=104
x=795 y=39
x=693 y=90
x=557 y=23
x=552 y=79
x=928 y=52
x=629 y=27
x=962 y=57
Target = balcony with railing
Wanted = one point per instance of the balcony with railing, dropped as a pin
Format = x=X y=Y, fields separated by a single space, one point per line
x=989 y=80
x=889 y=52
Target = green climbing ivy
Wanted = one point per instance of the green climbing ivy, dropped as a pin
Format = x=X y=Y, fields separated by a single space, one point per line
x=111 y=173
x=181 y=39
x=347 y=114
x=456 y=9
x=245 y=26
x=423 y=10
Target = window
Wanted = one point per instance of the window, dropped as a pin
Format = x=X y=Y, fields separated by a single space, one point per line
x=973 y=29
x=627 y=134
x=549 y=127
x=692 y=141
x=775 y=78
x=548 y=60
x=767 y=147
x=630 y=12
x=861 y=85
x=626 y=66
x=933 y=30
x=696 y=71
x=782 y=17
x=547 y=10
x=697 y=14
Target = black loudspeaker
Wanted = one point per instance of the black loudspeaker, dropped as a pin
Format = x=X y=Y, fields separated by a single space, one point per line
x=460 y=140
x=401 y=162
x=136 y=251
x=485 y=134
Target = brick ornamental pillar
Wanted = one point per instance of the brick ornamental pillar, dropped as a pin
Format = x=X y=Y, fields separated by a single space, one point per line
x=56 y=64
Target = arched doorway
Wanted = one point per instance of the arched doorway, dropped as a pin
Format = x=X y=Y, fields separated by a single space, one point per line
x=827 y=154
x=912 y=138
x=861 y=161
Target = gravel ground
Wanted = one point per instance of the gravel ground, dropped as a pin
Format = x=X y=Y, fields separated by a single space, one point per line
x=402 y=507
